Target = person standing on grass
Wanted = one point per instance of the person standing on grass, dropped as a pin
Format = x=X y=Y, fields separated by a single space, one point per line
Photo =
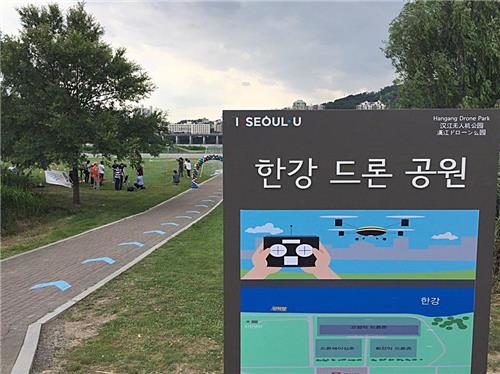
x=180 y=161
x=175 y=178
x=114 y=166
x=117 y=177
x=123 y=179
x=82 y=174
x=187 y=164
x=101 y=173
x=94 y=175
x=86 y=171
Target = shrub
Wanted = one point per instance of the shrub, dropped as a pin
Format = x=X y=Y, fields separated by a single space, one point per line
x=18 y=201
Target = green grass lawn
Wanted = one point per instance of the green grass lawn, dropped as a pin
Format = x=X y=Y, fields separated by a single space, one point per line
x=97 y=207
x=163 y=316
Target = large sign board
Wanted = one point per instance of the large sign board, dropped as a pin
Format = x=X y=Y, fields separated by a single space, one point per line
x=358 y=242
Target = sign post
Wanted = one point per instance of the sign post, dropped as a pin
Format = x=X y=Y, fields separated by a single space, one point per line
x=358 y=242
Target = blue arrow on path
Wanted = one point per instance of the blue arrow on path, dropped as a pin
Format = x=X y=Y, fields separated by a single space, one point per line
x=159 y=232
x=202 y=205
x=138 y=244
x=169 y=224
x=208 y=200
x=192 y=211
x=188 y=217
x=62 y=285
x=107 y=260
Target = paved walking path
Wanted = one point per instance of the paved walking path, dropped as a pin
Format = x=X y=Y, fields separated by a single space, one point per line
x=83 y=261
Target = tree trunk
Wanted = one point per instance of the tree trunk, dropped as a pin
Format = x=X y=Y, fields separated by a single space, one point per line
x=76 y=185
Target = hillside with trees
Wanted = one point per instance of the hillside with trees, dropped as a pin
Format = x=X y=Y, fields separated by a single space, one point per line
x=388 y=95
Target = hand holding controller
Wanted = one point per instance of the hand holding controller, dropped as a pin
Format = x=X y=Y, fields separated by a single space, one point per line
x=276 y=253
x=260 y=268
x=322 y=269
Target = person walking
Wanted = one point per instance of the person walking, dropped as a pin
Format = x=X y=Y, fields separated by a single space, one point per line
x=187 y=164
x=180 y=161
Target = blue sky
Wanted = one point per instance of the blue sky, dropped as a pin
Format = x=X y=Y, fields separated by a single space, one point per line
x=460 y=223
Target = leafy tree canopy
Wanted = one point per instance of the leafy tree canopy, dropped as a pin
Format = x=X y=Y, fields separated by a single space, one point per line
x=446 y=53
x=387 y=95
x=64 y=86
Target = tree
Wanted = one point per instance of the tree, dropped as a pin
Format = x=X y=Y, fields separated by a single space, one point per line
x=446 y=54
x=64 y=87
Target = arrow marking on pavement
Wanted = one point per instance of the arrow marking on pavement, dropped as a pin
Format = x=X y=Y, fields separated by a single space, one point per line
x=138 y=244
x=159 y=232
x=192 y=211
x=62 y=285
x=187 y=217
x=208 y=201
x=214 y=196
x=107 y=260
x=169 y=224
x=202 y=205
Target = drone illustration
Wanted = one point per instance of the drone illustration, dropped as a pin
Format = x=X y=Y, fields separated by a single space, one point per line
x=379 y=232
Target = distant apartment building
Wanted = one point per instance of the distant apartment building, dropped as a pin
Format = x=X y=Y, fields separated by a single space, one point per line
x=302 y=105
x=180 y=128
x=200 y=128
x=316 y=107
x=145 y=111
x=217 y=126
x=299 y=105
x=190 y=127
x=371 y=105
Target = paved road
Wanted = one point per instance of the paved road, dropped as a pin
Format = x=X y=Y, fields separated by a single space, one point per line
x=21 y=305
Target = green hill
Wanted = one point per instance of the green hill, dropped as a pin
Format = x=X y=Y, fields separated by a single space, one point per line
x=387 y=95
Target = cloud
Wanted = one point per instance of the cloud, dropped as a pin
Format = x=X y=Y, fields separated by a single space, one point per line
x=268 y=228
x=446 y=236
x=201 y=59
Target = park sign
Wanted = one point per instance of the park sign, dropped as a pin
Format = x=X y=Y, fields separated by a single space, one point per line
x=358 y=242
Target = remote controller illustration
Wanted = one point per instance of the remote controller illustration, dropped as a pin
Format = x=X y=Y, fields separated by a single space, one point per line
x=291 y=251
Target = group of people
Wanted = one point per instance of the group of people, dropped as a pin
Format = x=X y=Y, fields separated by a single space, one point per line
x=184 y=164
x=93 y=174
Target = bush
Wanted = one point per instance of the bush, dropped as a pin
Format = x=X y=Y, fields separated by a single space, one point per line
x=18 y=202
x=20 y=181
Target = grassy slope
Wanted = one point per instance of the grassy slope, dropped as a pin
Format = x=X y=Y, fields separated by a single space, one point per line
x=97 y=207
x=164 y=317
